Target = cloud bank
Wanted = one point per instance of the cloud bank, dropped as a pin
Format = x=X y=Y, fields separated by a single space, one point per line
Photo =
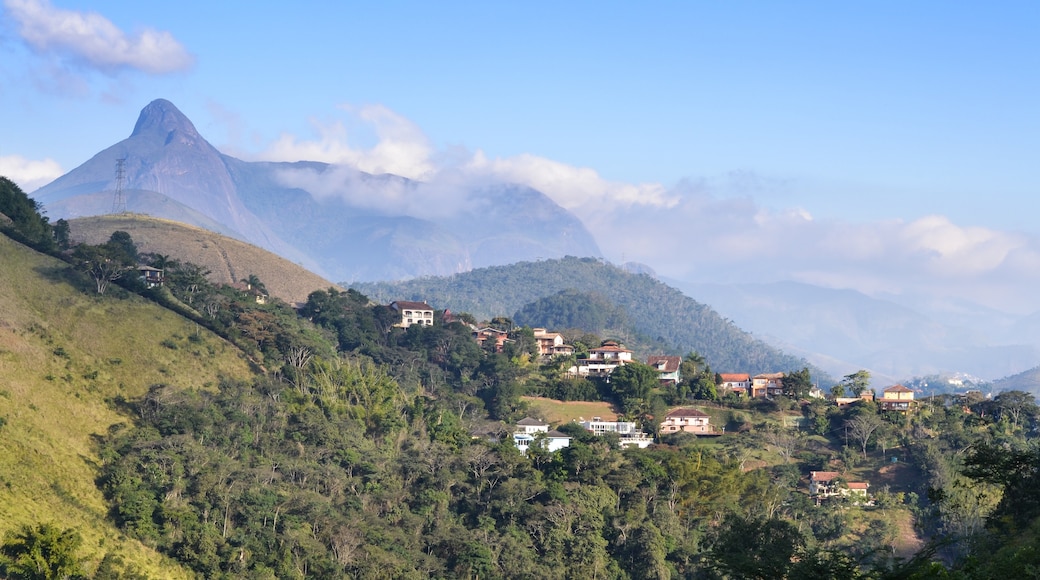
x=90 y=39
x=29 y=174
x=708 y=229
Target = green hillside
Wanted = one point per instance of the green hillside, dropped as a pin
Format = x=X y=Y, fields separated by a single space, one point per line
x=65 y=358
x=653 y=309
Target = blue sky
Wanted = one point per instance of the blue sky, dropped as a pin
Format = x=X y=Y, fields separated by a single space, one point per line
x=883 y=146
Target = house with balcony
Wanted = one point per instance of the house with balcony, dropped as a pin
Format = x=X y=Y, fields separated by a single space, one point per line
x=152 y=277
x=602 y=360
x=686 y=420
x=629 y=434
x=419 y=313
x=897 y=398
x=767 y=385
x=550 y=343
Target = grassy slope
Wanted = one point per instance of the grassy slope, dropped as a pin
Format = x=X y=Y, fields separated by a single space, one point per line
x=228 y=260
x=563 y=412
x=62 y=354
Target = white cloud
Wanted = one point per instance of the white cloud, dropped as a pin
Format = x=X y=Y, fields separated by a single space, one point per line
x=705 y=238
x=571 y=187
x=27 y=173
x=90 y=38
x=402 y=148
x=708 y=229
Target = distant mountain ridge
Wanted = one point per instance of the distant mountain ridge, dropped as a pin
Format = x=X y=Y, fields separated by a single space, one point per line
x=845 y=330
x=653 y=308
x=172 y=172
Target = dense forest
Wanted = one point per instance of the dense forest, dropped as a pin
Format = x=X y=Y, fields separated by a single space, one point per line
x=359 y=449
x=644 y=306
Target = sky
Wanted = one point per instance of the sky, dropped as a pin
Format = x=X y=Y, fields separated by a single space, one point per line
x=889 y=147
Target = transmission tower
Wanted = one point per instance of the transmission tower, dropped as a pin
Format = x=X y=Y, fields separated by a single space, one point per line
x=119 y=200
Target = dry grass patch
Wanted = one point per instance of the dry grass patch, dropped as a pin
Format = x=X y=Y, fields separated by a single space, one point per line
x=559 y=412
x=228 y=260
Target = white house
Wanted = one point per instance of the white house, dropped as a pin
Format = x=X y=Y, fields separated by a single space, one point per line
x=419 y=313
x=602 y=360
x=529 y=430
x=529 y=425
x=629 y=434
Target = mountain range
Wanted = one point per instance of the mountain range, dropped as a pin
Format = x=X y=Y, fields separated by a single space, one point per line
x=845 y=330
x=165 y=168
x=350 y=226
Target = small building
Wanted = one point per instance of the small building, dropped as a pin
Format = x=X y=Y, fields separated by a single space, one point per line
x=687 y=420
x=529 y=430
x=824 y=484
x=667 y=368
x=419 y=313
x=258 y=293
x=866 y=396
x=897 y=398
x=152 y=277
x=739 y=383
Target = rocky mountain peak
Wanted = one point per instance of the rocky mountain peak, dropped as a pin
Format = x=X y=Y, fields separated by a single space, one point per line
x=161 y=118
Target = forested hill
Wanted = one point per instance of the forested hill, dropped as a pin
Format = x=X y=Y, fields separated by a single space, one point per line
x=654 y=309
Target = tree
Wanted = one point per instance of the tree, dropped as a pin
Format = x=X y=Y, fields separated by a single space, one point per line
x=43 y=552
x=99 y=264
x=256 y=287
x=27 y=220
x=692 y=364
x=797 y=384
x=704 y=387
x=1015 y=405
x=121 y=247
x=862 y=428
x=855 y=383
x=755 y=547
x=631 y=385
x=61 y=234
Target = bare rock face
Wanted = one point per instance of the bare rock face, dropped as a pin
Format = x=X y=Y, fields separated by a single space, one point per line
x=171 y=171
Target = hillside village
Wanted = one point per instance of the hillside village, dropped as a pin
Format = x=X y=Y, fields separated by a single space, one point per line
x=341 y=436
x=601 y=361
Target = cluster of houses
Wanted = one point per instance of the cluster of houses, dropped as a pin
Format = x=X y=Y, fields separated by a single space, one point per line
x=529 y=430
x=602 y=360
